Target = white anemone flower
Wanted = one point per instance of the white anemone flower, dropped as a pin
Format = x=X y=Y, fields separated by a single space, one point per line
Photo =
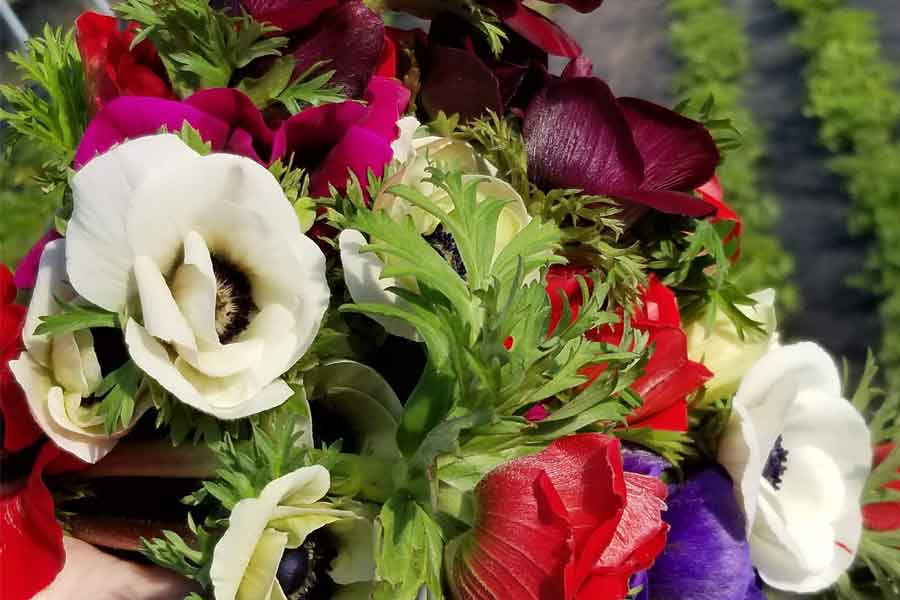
x=281 y=544
x=60 y=374
x=208 y=253
x=413 y=155
x=799 y=455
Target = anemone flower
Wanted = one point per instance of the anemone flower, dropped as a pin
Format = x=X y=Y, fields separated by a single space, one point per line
x=566 y=523
x=231 y=293
x=799 y=455
x=59 y=375
x=578 y=135
x=289 y=543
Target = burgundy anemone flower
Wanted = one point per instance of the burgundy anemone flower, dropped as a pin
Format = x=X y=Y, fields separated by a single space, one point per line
x=112 y=66
x=327 y=140
x=669 y=376
x=567 y=523
x=578 y=135
x=537 y=28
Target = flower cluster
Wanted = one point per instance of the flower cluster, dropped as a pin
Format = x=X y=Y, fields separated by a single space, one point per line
x=407 y=317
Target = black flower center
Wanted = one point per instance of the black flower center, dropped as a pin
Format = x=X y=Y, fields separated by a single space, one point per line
x=234 y=300
x=303 y=571
x=776 y=464
x=443 y=242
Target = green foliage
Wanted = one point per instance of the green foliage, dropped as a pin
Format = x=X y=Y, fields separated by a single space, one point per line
x=312 y=88
x=852 y=91
x=76 y=318
x=173 y=553
x=713 y=50
x=49 y=105
x=500 y=142
x=119 y=391
x=200 y=46
x=409 y=552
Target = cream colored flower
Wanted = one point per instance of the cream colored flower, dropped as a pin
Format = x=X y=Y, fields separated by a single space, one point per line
x=287 y=539
x=799 y=456
x=207 y=255
x=59 y=375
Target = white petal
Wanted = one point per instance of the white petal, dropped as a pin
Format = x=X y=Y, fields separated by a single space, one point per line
x=66 y=365
x=98 y=257
x=362 y=274
x=49 y=286
x=37 y=385
x=162 y=318
x=302 y=487
x=259 y=576
x=402 y=147
x=742 y=457
x=233 y=552
x=194 y=289
x=226 y=361
x=355 y=561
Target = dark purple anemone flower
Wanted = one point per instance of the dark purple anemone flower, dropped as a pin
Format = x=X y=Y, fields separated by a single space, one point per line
x=578 y=135
x=707 y=556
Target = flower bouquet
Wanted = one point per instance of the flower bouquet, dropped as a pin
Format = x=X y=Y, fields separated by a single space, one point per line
x=332 y=309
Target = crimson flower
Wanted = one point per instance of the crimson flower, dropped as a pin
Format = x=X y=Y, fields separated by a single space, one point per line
x=579 y=135
x=883 y=516
x=112 y=67
x=19 y=429
x=711 y=191
x=537 y=28
x=565 y=524
x=669 y=377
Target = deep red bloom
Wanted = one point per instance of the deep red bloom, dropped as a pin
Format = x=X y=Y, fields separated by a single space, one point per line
x=112 y=67
x=711 y=191
x=669 y=376
x=565 y=524
x=31 y=540
x=579 y=135
x=19 y=428
x=883 y=516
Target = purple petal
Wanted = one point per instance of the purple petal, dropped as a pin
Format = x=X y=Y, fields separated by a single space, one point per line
x=131 y=117
x=289 y=15
x=707 y=556
x=457 y=81
x=26 y=272
x=576 y=137
x=679 y=153
x=249 y=135
x=350 y=37
x=636 y=460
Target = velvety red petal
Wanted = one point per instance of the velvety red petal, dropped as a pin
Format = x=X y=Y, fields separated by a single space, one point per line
x=564 y=278
x=520 y=542
x=659 y=309
x=387 y=62
x=289 y=15
x=669 y=376
x=679 y=153
x=641 y=533
x=673 y=418
x=387 y=100
x=665 y=201
x=577 y=137
x=31 y=548
x=326 y=39
x=308 y=137
x=451 y=70
x=580 y=66
x=19 y=428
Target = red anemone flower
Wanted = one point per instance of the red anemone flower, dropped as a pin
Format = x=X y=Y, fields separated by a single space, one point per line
x=669 y=377
x=565 y=524
x=112 y=66
x=711 y=191
x=579 y=135
x=883 y=516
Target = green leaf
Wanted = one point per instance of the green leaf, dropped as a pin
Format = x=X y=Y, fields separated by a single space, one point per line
x=310 y=89
x=265 y=89
x=119 y=392
x=409 y=551
x=74 y=318
x=194 y=140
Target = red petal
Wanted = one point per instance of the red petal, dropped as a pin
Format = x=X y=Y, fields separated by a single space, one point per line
x=711 y=191
x=542 y=32
x=7 y=286
x=679 y=153
x=31 y=548
x=584 y=6
x=670 y=376
x=289 y=15
x=387 y=63
x=564 y=278
x=19 y=428
x=674 y=418
x=882 y=516
x=659 y=308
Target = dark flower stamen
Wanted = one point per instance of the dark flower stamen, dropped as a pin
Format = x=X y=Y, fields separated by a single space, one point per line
x=776 y=464
x=234 y=300
x=303 y=571
x=443 y=242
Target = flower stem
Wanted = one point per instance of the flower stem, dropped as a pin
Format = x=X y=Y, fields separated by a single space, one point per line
x=154 y=459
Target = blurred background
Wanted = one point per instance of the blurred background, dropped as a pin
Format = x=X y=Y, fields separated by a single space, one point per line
x=768 y=64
